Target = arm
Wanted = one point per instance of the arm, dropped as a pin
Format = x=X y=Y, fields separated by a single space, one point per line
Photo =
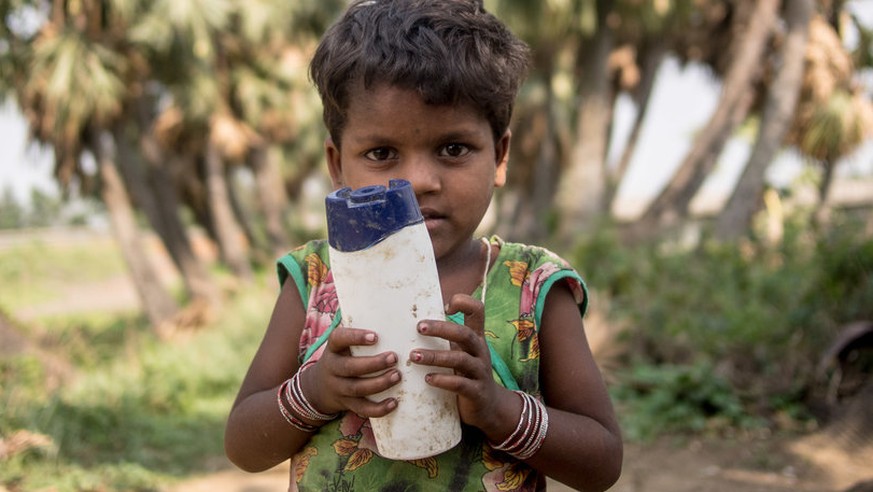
x=583 y=447
x=257 y=437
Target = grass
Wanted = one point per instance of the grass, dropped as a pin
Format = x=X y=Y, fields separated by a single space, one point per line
x=137 y=413
x=135 y=418
x=37 y=271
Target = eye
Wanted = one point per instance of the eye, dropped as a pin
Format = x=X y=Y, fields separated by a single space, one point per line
x=454 y=150
x=381 y=154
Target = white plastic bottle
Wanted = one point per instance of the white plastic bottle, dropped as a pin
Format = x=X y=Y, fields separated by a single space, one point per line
x=386 y=281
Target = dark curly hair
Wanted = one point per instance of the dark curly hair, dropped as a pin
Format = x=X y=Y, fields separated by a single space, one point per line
x=449 y=51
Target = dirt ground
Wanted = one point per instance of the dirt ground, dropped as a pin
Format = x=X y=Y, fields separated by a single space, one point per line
x=753 y=464
x=757 y=465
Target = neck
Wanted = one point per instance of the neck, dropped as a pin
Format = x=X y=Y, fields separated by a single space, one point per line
x=461 y=271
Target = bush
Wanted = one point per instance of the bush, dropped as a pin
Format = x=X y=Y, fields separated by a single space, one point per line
x=677 y=398
x=761 y=315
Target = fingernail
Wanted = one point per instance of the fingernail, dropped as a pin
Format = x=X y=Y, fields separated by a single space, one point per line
x=370 y=337
x=392 y=403
x=422 y=327
x=392 y=359
x=416 y=356
x=395 y=377
x=428 y=378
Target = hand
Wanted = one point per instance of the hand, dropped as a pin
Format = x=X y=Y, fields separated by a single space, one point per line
x=479 y=396
x=340 y=381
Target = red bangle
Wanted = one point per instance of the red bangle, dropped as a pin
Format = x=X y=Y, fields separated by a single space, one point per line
x=294 y=406
x=288 y=415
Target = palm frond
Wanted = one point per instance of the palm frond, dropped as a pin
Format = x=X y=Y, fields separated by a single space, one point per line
x=77 y=82
x=837 y=127
x=264 y=21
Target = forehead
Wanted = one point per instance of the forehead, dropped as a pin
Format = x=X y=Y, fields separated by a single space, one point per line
x=386 y=105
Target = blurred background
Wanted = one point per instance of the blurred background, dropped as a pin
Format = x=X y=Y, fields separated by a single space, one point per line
x=706 y=165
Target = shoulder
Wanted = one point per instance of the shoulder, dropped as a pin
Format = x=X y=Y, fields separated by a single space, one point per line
x=540 y=269
x=316 y=246
x=533 y=254
x=303 y=258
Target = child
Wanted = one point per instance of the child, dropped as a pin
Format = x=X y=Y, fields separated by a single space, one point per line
x=423 y=90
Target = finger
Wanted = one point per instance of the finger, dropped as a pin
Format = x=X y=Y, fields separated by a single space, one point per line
x=462 y=337
x=363 y=366
x=342 y=338
x=460 y=362
x=372 y=409
x=463 y=386
x=360 y=387
x=473 y=309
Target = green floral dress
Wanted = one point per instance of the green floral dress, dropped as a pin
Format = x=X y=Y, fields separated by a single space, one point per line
x=342 y=455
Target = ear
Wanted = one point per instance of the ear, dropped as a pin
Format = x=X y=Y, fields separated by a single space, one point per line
x=334 y=163
x=501 y=153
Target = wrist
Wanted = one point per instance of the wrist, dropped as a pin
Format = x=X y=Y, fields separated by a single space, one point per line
x=310 y=388
x=295 y=406
x=530 y=431
x=504 y=418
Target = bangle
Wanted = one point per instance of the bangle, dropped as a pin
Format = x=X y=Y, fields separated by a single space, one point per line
x=289 y=417
x=294 y=406
x=530 y=432
x=299 y=402
x=508 y=443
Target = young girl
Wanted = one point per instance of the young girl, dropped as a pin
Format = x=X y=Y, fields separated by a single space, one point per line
x=423 y=90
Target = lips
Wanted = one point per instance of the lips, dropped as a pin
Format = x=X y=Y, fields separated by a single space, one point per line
x=432 y=218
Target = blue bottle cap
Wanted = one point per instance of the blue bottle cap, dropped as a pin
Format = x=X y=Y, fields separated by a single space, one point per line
x=358 y=219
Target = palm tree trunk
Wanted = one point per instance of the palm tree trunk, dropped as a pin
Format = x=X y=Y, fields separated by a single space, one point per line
x=157 y=303
x=545 y=177
x=653 y=55
x=243 y=217
x=162 y=191
x=228 y=232
x=671 y=205
x=823 y=209
x=534 y=177
x=581 y=192
x=736 y=218
x=272 y=198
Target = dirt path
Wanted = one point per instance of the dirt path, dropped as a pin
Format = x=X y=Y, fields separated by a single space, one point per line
x=759 y=465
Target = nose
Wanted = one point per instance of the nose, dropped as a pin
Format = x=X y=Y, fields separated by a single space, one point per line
x=424 y=175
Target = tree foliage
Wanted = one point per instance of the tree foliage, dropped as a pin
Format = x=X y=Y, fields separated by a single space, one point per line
x=191 y=94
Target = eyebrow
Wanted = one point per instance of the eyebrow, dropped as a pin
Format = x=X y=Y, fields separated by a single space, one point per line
x=453 y=135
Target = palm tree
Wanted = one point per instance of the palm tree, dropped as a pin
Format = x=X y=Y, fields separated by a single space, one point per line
x=582 y=191
x=782 y=96
x=73 y=94
x=833 y=116
x=542 y=117
x=835 y=129
x=583 y=48
x=649 y=59
x=237 y=101
x=753 y=24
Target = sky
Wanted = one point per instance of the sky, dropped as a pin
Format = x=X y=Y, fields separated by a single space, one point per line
x=22 y=167
x=682 y=101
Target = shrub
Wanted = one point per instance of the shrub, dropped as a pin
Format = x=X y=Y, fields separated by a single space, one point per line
x=762 y=315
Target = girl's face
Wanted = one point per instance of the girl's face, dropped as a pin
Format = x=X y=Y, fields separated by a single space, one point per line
x=448 y=153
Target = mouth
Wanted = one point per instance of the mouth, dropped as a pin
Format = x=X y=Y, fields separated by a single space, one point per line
x=432 y=218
